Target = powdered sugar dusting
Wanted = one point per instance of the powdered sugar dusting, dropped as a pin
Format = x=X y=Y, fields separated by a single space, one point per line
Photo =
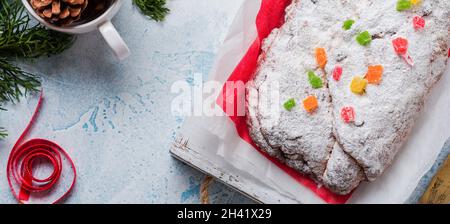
x=321 y=144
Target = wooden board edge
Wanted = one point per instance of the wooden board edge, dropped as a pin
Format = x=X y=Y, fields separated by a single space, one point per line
x=181 y=150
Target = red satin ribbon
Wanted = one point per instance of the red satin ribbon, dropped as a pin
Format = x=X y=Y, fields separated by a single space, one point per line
x=24 y=155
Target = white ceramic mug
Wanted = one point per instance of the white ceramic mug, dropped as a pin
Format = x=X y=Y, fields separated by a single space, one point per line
x=102 y=23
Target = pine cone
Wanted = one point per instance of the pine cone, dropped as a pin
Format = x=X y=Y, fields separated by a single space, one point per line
x=59 y=12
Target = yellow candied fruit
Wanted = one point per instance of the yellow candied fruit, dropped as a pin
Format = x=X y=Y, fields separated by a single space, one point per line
x=374 y=74
x=321 y=57
x=416 y=2
x=310 y=104
x=358 y=85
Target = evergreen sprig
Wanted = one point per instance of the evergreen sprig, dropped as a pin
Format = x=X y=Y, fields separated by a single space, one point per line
x=14 y=82
x=20 y=38
x=155 y=9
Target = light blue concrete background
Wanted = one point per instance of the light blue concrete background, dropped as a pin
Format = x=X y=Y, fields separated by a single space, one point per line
x=114 y=118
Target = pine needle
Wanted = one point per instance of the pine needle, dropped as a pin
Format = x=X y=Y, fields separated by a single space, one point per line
x=155 y=9
x=14 y=82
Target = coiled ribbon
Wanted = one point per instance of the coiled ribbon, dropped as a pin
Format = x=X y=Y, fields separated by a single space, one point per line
x=23 y=157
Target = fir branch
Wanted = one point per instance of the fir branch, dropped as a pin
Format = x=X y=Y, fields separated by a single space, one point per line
x=14 y=82
x=155 y=9
x=20 y=38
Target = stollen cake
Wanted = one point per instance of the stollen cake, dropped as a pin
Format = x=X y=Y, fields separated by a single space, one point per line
x=339 y=85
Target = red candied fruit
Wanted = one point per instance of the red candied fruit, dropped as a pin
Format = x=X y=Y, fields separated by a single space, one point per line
x=337 y=72
x=400 y=45
x=348 y=114
x=418 y=22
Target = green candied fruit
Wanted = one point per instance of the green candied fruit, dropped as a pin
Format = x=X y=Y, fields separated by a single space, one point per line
x=364 y=38
x=288 y=105
x=348 y=24
x=314 y=80
x=403 y=5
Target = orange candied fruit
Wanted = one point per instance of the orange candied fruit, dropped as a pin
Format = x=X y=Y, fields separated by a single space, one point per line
x=321 y=57
x=374 y=74
x=310 y=104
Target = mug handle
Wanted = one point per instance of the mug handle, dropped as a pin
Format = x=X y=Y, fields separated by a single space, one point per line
x=114 y=40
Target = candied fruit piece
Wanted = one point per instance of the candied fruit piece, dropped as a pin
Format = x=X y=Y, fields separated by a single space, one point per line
x=337 y=72
x=374 y=74
x=418 y=22
x=403 y=5
x=348 y=24
x=288 y=105
x=315 y=81
x=310 y=104
x=416 y=2
x=358 y=85
x=321 y=57
x=348 y=114
x=364 y=38
x=400 y=45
